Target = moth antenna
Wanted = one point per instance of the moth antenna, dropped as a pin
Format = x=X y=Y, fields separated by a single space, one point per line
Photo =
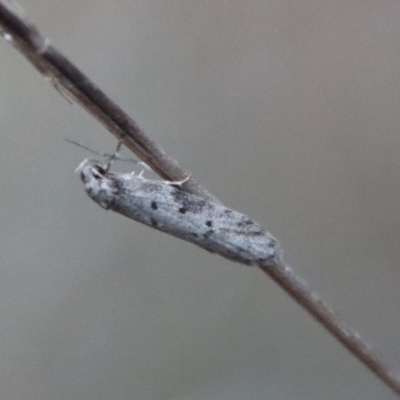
x=112 y=157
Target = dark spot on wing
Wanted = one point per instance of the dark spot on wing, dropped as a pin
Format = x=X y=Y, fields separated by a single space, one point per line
x=154 y=205
x=190 y=203
x=116 y=185
x=154 y=223
x=258 y=232
x=151 y=186
x=208 y=234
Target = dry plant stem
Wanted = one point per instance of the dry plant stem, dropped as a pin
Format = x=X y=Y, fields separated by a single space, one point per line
x=69 y=79
x=303 y=295
x=51 y=63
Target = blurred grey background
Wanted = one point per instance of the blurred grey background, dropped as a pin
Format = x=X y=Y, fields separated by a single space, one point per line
x=286 y=111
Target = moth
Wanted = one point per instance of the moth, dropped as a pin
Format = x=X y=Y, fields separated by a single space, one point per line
x=169 y=209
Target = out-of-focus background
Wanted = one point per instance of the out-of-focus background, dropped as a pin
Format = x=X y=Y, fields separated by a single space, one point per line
x=286 y=111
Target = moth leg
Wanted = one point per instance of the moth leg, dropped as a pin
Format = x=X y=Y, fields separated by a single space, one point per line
x=113 y=157
x=178 y=183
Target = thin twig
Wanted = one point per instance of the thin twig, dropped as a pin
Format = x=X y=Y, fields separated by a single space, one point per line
x=50 y=62
x=285 y=277
x=70 y=80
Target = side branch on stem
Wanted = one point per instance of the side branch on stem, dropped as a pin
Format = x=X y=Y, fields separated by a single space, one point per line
x=51 y=63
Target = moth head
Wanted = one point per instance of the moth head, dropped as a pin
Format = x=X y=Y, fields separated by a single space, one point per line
x=89 y=169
